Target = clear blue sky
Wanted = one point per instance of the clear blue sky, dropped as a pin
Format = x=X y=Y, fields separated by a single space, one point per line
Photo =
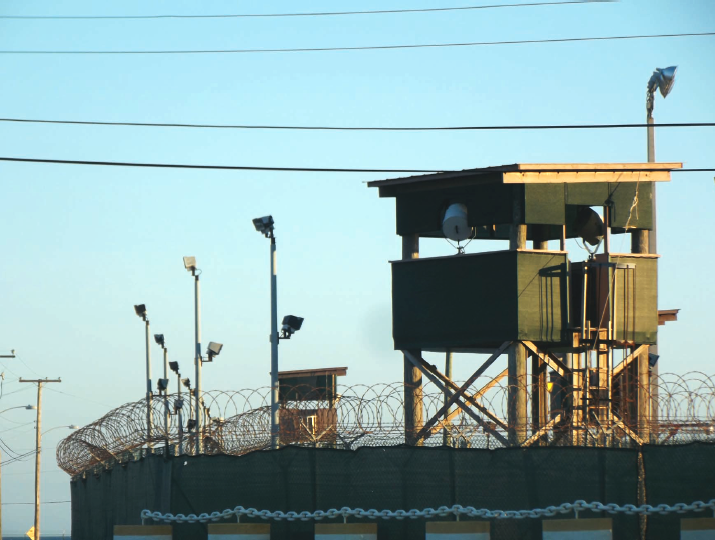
x=81 y=245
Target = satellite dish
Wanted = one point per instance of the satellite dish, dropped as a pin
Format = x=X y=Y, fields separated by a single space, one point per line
x=454 y=224
x=589 y=225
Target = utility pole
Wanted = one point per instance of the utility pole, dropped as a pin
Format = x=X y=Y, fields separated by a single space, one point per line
x=38 y=447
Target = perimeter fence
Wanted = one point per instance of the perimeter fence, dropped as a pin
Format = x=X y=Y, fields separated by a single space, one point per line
x=238 y=422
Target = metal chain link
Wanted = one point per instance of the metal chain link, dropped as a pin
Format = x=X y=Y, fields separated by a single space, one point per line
x=442 y=511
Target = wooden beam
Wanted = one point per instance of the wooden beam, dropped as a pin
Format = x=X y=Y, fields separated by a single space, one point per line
x=628 y=359
x=667 y=315
x=453 y=399
x=429 y=369
x=572 y=177
x=536 y=436
x=627 y=430
x=548 y=358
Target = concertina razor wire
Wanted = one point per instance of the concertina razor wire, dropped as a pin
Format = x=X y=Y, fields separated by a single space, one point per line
x=442 y=511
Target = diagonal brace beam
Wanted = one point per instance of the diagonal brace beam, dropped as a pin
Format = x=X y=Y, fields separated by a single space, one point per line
x=548 y=358
x=431 y=372
x=456 y=412
x=536 y=436
x=459 y=403
x=458 y=394
x=626 y=362
x=628 y=431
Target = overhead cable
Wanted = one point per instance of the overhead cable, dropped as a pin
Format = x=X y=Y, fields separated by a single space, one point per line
x=358 y=128
x=310 y=14
x=245 y=167
x=367 y=48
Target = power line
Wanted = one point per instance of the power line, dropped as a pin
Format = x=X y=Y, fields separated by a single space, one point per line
x=349 y=128
x=217 y=167
x=311 y=14
x=372 y=47
x=243 y=168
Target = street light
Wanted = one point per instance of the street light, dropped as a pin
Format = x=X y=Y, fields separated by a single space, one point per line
x=190 y=265
x=265 y=225
x=163 y=384
x=27 y=407
x=140 y=310
x=179 y=404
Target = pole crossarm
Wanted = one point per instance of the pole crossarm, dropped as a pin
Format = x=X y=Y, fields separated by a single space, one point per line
x=447 y=384
x=536 y=436
x=548 y=358
x=458 y=394
x=627 y=361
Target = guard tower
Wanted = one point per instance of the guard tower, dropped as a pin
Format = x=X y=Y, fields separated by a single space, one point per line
x=559 y=323
x=308 y=398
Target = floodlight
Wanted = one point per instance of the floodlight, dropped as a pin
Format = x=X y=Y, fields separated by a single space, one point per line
x=190 y=263
x=159 y=338
x=653 y=359
x=162 y=384
x=454 y=223
x=214 y=349
x=191 y=424
x=174 y=366
x=140 y=310
x=186 y=382
x=291 y=324
x=264 y=225
x=663 y=79
x=589 y=225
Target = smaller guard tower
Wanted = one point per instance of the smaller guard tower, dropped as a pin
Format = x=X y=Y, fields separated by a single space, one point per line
x=560 y=323
x=308 y=398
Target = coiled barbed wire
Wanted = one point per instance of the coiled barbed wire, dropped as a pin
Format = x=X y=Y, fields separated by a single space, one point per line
x=238 y=422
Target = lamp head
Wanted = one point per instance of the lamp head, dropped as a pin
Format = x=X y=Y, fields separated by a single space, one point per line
x=291 y=324
x=191 y=424
x=174 y=366
x=140 y=310
x=264 y=225
x=72 y=426
x=589 y=225
x=162 y=384
x=159 y=338
x=31 y=407
x=213 y=349
x=665 y=79
x=190 y=264
x=186 y=382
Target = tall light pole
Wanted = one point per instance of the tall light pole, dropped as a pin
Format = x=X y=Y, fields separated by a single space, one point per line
x=265 y=226
x=140 y=310
x=663 y=80
x=190 y=265
x=179 y=405
x=38 y=447
x=163 y=387
x=29 y=408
